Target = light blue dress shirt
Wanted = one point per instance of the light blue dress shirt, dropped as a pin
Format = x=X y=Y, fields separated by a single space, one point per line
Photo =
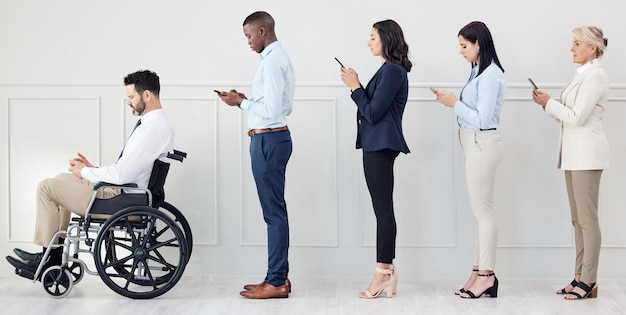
x=272 y=90
x=481 y=99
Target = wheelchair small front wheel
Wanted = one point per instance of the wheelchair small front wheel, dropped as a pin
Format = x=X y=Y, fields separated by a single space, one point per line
x=77 y=271
x=57 y=281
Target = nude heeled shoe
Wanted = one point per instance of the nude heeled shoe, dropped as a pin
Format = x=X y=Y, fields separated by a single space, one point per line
x=389 y=285
x=394 y=288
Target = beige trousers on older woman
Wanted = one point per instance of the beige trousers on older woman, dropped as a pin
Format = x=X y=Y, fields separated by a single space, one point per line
x=583 y=188
x=57 y=198
x=483 y=153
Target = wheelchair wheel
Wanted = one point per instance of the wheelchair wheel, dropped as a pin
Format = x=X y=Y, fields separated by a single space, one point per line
x=140 y=252
x=77 y=272
x=184 y=224
x=57 y=281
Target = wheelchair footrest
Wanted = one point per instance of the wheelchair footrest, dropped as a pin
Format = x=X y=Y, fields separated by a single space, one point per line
x=26 y=273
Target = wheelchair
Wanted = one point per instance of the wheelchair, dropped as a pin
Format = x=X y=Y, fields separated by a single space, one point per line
x=140 y=244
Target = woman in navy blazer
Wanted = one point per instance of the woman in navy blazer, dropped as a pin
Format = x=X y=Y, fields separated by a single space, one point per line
x=379 y=119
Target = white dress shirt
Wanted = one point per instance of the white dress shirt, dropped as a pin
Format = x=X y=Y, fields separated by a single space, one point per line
x=149 y=141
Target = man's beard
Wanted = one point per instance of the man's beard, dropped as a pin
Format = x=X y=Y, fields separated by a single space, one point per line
x=140 y=108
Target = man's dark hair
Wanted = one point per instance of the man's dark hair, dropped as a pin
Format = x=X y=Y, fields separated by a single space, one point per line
x=144 y=80
x=260 y=18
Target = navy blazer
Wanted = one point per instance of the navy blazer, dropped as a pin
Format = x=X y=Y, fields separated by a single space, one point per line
x=380 y=108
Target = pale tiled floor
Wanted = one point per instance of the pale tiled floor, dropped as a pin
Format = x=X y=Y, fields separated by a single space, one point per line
x=220 y=295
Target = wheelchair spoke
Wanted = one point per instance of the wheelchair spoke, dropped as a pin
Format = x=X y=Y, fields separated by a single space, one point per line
x=131 y=275
x=164 y=243
x=159 y=233
x=162 y=261
x=154 y=284
x=129 y=228
x=114 y=241
x=119 y=262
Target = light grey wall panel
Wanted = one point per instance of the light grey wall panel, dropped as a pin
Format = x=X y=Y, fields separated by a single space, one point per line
x=424 y=180
x=311 y=183
x=192 y=186
x=44 y=134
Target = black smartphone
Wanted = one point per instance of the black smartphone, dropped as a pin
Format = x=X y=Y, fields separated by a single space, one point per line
x=218 y=92
x=533 y=84
x=341 y=64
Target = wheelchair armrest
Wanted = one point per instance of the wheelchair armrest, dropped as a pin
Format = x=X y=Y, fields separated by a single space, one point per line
x=177 y=155
x=103 y=184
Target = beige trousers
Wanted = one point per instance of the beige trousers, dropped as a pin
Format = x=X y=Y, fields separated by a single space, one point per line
x=483 y=153
x=583 y=188
x=57 y=199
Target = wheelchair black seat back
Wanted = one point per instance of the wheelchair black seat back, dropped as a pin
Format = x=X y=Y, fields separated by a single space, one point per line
x=140 y=247
x=153 y=196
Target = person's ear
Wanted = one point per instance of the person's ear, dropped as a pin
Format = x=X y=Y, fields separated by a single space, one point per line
x=147 y=95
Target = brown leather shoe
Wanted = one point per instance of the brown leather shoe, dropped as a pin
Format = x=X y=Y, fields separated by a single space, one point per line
x=267 y=291
x=255 y=286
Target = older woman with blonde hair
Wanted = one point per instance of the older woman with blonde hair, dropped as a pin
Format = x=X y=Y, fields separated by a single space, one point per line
x=584 y=152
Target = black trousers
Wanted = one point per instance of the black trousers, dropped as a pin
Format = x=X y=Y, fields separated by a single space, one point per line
x=378 y=168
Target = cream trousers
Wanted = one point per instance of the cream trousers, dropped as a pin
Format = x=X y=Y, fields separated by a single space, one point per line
x=483 y=153
x=57 y=199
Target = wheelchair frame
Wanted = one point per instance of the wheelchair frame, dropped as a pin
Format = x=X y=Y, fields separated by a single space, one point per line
x=154 y=240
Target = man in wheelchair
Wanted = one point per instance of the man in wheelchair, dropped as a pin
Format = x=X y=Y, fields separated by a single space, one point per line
x=67 y=193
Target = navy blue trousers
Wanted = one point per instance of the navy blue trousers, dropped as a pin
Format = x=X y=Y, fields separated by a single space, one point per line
x=270 y=153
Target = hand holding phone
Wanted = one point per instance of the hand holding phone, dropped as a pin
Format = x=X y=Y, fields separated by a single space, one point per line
x=533 y=84
x=341 y=64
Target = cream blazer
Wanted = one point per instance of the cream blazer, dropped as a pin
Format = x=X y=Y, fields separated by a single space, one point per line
x=582 y=142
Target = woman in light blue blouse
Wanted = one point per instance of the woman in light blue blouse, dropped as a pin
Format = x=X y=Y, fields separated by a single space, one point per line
x=478 y=116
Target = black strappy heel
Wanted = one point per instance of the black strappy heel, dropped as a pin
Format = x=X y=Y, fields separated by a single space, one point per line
x=462 y=289
x=590 y=291
x=574 y=283
x=492 y=291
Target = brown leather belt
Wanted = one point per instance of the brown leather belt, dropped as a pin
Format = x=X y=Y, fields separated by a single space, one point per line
x=253 y=132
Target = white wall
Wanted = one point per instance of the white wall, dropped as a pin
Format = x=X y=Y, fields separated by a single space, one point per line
x=61 y=67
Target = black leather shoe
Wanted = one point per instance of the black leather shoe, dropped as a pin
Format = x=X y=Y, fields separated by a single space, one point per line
x=21 y=268
x=26 y=256
x=53 y=259
x=17 y=263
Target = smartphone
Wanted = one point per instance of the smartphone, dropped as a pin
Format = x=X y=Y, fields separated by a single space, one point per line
x=533 y=84
x=341 y=64
x=218 y=92
x=433 y=89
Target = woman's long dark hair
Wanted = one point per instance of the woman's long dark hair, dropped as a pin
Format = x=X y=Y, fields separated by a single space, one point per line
x=395 y=49
x=478 y=31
